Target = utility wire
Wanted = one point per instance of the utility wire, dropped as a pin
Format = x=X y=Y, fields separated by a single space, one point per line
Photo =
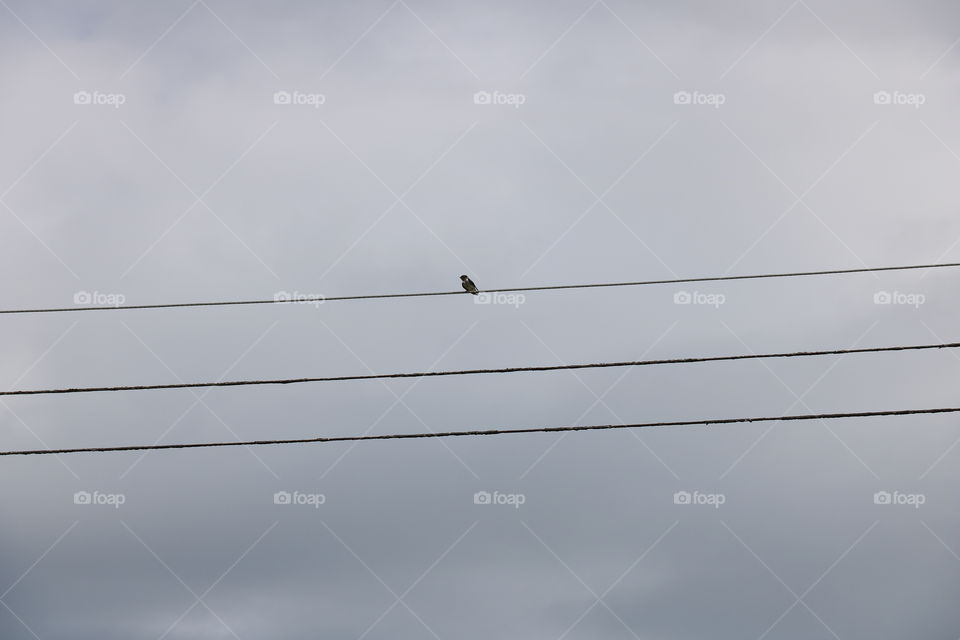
x=484 y=432
x=323 y=299
x=466 y=372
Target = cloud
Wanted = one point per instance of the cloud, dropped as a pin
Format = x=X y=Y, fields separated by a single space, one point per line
x=199 y=186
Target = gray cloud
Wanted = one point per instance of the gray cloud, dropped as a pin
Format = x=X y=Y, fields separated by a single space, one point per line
x=400 y=182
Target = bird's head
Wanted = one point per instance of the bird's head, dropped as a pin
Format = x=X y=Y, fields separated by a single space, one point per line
x=464 y=278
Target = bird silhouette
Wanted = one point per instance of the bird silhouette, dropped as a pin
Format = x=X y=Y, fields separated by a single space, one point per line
x=468 y=285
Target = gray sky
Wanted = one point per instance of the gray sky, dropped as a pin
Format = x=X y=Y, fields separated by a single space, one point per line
x=201 y=186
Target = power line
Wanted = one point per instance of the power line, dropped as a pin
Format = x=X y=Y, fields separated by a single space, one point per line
x=466 y=372
x=323 y=299
x=484 y=432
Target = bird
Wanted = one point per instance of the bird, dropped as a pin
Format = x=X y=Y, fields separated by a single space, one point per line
x=468 y=285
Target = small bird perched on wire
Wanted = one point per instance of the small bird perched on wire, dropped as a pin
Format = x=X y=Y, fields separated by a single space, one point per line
x=468 y=285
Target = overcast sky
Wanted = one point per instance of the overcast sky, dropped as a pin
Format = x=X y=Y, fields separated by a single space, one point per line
x=212 y=150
